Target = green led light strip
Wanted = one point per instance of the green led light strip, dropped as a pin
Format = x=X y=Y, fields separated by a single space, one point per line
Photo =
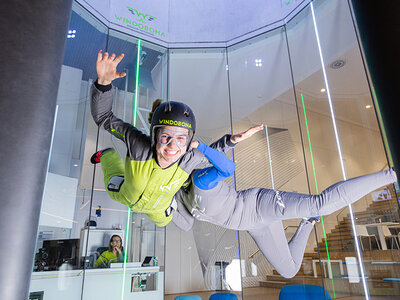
x=128 y=216
x=137 y=81
x=316 y=187
x=382 y=127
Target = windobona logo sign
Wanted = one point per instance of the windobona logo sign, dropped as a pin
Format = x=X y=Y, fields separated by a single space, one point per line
x=140 y=21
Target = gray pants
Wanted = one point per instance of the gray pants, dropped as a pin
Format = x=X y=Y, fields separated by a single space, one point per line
x=260 y=212
x=285 y=257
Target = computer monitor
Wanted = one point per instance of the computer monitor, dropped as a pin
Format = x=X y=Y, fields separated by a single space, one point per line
x=61 y=251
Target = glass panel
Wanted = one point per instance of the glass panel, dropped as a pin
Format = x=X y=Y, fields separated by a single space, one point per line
x=376 y=215
x=106 y=276
x=136 y=268
x=204 y=259
x=80 y=225
x=322 y=157
x=60 y=251
x=150 y=239
x=346 y=142
x=262 y=93
x=323 y=131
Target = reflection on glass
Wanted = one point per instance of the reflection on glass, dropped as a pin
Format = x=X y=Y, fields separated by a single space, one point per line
x=127 y=104
x=79 y=222
x=273 y=159
x=205 y=256
x=340 y=85
x=289 y=79
x=60 y=253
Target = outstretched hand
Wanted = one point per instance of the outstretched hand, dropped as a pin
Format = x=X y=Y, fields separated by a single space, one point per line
x=236 y=138
x=106 y=67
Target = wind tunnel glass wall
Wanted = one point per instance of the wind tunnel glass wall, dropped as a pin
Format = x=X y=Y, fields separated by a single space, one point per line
x=262 y=93
x=279 y=79
x=312 y=94
x=205 y=258
x=78 y=218
x=342 y=140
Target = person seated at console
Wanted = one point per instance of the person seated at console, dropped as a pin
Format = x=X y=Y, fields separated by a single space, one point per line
x=112 y=255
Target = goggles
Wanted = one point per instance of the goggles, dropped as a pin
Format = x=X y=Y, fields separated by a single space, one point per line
x=165 y=136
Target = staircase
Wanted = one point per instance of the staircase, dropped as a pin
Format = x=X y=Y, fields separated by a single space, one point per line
x=379 y=264
x=341 y=238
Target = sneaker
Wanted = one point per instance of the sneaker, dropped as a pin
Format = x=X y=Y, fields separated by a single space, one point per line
x=95 y=159
x=313 y=219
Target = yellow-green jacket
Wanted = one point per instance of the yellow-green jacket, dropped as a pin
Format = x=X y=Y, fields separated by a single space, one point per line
x=147 y=187
x=106 y=258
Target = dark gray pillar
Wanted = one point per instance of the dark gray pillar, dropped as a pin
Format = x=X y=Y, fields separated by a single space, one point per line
x=32 y=39
x=378 y=24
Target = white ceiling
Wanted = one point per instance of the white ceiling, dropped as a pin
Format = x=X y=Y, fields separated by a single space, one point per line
x=203 y=23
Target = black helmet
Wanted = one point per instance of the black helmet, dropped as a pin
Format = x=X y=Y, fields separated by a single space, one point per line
x=175 y=114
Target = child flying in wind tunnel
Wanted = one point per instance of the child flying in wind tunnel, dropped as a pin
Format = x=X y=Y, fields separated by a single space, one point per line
x=260 y=211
